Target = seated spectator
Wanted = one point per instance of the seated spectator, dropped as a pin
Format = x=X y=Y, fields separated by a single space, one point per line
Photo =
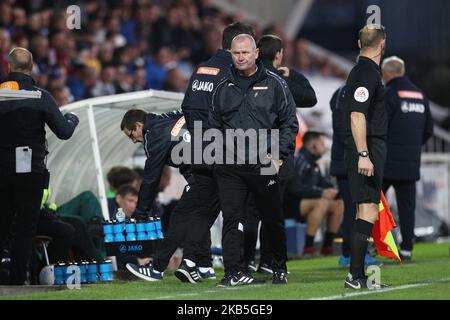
x=84 y=209
x=311 y=197
x=117 y=177
x=126 y=198
x=68 y=234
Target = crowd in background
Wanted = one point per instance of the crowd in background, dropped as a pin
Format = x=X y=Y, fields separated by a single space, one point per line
x=125 y=46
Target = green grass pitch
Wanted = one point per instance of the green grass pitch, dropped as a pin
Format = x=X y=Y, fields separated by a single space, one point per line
x=428 y=277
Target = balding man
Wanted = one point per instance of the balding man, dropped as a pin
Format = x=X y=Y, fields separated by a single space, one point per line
x=23 y=150
x=365 y=124
x=252 y=99
x=410 y=126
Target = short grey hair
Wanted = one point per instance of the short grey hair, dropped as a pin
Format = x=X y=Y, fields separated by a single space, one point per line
x=20 y=60
x=243 y=36
x=393 y=65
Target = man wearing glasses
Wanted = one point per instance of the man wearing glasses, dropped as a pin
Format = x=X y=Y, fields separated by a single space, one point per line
x=160 y=134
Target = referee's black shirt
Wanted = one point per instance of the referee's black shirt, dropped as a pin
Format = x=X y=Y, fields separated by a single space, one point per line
x=365 y=94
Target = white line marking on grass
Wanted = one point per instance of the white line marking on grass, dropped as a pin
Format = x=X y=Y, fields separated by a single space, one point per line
x=178 y=295
x=202 y=292
x=364 y=293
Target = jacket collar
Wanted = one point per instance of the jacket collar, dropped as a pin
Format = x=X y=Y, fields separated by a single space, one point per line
x=260 y=73
x=148 y=123
x=363 y=59
x=21 y=77
x=224 y=54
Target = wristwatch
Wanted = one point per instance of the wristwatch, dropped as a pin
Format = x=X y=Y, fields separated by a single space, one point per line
x=363 y=154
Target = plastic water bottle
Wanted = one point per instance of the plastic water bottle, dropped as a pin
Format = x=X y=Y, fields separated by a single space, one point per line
x=131 y=231
x=59 y=273
x=120 y=227
x=105 y=269
x=118 y=232
x=92 y=270
x=83 y=271
x=108 y=232
x=159 y=234
x=120 y=215
x=150 y=227
x=141 y=234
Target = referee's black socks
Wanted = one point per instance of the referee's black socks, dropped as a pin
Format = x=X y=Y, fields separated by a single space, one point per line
x=362 y=231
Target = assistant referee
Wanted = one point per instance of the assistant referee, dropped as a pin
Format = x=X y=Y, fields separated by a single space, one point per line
x=365 y=124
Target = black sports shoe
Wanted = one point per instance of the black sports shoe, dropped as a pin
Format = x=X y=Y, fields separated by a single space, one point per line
x=146 y=272
x=280 y=277
x=245 y=278
x=406 y=256
x=238 y=279
x=356 y=284
x=265 y=268
x=187 y=274
x=210 y=274
x=229 y=281
x=361 y=283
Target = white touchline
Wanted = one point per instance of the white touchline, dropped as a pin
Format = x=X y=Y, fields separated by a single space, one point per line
x=364 y=293
x=335 y=297
x=203 y=292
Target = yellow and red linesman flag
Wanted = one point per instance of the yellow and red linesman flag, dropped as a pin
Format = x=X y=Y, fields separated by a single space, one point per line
x=382 y=235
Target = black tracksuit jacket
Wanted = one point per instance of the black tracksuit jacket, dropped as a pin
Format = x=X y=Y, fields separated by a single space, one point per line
x=158 y=145
x=22 y=123
x=266 y=104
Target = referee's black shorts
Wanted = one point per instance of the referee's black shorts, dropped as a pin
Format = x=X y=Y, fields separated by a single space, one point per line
x=365 y=189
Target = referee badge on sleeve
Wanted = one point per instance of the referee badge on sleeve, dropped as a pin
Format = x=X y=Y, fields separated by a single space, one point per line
x=361 y=94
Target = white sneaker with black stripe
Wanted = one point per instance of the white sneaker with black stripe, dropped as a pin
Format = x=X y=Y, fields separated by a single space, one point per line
x=146 y=272
x=187 y=274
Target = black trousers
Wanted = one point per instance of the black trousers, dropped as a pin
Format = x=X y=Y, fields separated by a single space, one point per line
x=196 y=199
x=207 y=207
x=251 y=236
x=62 y=235
x=349 y=214
x=234 y=188
x=405 y=192
x=82 y=245
x=20 y=196
x=67 y=234
x=251 y=232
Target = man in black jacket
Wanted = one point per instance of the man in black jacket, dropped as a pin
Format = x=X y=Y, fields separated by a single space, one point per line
x=196 y=106
x=271 y=55
x=22 y=153
x=410 y=126
x=248 y=103
x=311 y=196
x=160 y=134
